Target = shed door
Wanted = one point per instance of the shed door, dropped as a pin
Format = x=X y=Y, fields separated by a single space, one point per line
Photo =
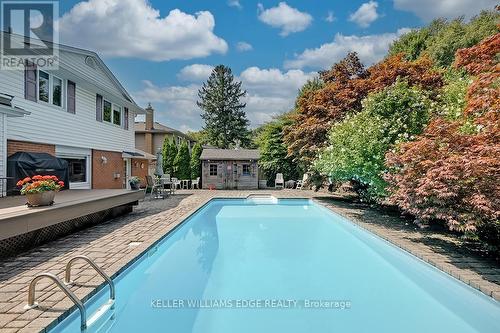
x=231 y=176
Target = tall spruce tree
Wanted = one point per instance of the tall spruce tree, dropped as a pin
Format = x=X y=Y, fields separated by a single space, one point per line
x=169 y=160
x=225 y=119
x=182 y=167
x=195 y=161
x=164 y=151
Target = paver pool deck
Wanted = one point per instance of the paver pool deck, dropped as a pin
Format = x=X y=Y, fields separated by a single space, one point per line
x=109 y=244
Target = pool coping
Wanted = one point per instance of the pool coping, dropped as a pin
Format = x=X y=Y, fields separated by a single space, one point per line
x=453 y=272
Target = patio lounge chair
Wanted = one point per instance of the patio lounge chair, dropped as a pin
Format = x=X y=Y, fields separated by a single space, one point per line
x=279 y=182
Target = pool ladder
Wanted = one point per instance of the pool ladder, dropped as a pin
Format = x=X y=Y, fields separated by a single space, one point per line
x=64 y=287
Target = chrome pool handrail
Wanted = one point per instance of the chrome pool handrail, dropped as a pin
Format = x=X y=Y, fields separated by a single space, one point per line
x=67 y=276
x=31 y=296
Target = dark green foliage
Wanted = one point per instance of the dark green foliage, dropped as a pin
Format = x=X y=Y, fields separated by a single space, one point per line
x=195 y=161
x=170 y=157
x=273 y=152
x=359 y=143
x=182 y=166
x=226 y=124
x=442 y=38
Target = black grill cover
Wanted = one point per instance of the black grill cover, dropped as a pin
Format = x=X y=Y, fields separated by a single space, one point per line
x=22 y=164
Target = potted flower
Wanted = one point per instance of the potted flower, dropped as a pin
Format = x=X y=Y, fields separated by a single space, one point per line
x=134 y=182
x=40 y=190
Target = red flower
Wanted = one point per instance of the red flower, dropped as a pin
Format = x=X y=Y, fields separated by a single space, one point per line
x=27 y=179
x=54 y=178
x=37 y=177
x=47 y=177
x=20 y=183
x=61 y=183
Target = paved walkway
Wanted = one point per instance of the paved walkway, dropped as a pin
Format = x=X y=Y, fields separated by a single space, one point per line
x=109 y=244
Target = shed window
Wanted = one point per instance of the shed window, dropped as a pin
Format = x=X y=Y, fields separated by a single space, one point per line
x=213 y=169
x=246 y=169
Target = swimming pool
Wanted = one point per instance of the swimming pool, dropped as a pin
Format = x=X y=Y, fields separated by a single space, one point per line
x=291 y=265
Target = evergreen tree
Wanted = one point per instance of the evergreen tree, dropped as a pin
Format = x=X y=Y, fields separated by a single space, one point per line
x=225 y=120
x=182 y=168
x=169 y=160
x=164 y=151
x=195 y=161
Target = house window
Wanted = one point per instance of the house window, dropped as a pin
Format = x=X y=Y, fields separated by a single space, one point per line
x=77 y=168
x=213 y=169
x=43 y=87
x=107 y=115
x=179 y=140
x=111 y=113
x=50 y=89
x=56 y=91
x=117 y=115
x=246 y=169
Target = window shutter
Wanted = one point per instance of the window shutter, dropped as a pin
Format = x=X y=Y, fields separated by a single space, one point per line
x=98 y=107
x=125 y=118
x=30 y=84
x=70 y=99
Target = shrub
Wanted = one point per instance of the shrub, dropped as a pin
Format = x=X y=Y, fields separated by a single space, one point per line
x=170 y=158
x=273 y=152
x=317 y=110
x=195 y=161
x=358 y=144
x=182 y=162
x=450 y=173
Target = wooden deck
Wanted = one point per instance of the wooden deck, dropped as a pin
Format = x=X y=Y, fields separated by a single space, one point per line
x=17 y=219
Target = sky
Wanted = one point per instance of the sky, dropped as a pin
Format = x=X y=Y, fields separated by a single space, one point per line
x=162 y=50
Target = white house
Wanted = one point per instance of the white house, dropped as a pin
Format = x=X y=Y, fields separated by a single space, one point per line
x=79 y=112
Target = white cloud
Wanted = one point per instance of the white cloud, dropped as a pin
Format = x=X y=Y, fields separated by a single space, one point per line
x=244 y=46
x=235 y=4
x=288 y=19
x=132 y=28
x=365 y=15
x=330 y=17
x=269 y=92
x=370 y=48
x=431 y=9
x=195 y=72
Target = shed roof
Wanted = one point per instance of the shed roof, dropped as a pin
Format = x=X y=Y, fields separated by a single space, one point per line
x=230 y=154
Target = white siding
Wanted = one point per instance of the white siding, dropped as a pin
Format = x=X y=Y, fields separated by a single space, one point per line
x=53 y=125
x=3 y=151
x=3 y=144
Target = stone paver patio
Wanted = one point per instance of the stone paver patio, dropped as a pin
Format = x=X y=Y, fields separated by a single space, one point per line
x=109 y=245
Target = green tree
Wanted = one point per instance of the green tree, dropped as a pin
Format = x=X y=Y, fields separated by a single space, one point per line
x=273 y=152
x=223 y=112
x=195 y=161
x=357 y=145
x=441 y=38
x=164 y=152
x=182 y=168
x=169 y=160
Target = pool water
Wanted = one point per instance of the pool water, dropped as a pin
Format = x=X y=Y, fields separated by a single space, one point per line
x=254 y=266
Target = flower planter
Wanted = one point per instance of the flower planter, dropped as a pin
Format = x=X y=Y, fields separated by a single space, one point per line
x=134 y=186
x=41 y=199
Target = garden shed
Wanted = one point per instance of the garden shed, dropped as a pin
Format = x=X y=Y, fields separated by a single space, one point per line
x=230 y=168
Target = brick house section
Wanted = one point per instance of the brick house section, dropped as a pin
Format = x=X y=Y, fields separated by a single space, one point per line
x=140 y=169
x=29 y=147
x=103 y=173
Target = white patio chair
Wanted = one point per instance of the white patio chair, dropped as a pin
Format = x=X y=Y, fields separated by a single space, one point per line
x=300 y=183
x=279 y=182
x=158 y=189
x=195 y=183
x=176 y=183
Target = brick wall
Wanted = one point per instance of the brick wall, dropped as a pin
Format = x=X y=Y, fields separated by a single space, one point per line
x=103 y=173
x=140 y=169
x=16 y=146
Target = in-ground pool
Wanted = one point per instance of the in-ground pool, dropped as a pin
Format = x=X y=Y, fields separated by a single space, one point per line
x=241 y=265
